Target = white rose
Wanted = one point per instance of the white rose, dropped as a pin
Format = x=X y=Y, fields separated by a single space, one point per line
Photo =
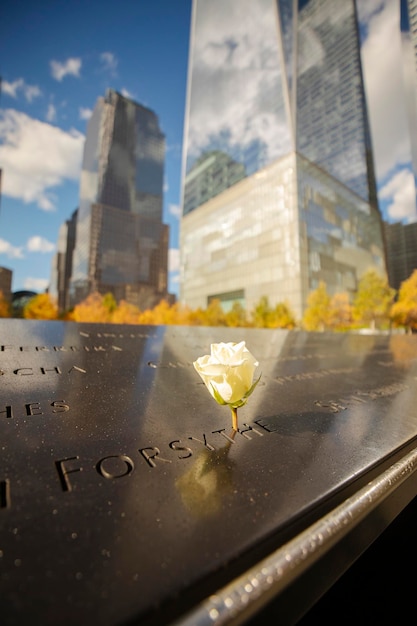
x=228 y=373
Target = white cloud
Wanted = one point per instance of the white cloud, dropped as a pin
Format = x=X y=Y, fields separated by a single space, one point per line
x=39 y=244
x=36 y=284
x=12 y=88
x=109 y=61
x=19 y=86
x=400 y=191
x=127 y=94
x=31 y=91
x=384 y=84
x=71 y=67
x=173 y=259
x=12 y=252
x=175 y=210
x=84 y=113
x=36 y=157
x=51 y=113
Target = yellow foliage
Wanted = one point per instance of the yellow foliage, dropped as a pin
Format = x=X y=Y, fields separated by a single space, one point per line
x=5 y=308
x=282 y=317
x=165 y=313
x=125 y=313
x=317 y=314
x=404 y=311
x=196 y=317
x=236 y=317
x=214 y=314
x=41 y=307
x=92 y=309
x=264 y=316
x=373 y=299
x=340 y=313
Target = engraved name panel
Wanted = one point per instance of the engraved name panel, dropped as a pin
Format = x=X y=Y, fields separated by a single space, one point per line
x=121 y=482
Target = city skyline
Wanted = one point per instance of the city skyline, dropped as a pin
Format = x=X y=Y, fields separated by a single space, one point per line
x=50 y=87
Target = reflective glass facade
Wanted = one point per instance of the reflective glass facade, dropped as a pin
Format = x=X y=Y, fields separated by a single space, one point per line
x=62 y=263
x=409 y=45
x=278 y=180
x=401 y=242
x=121 y=242
x=332 y=127
x=233 y=75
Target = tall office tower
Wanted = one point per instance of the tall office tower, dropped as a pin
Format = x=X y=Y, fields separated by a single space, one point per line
x=278 y=183
x=401 y=242
x=121 y=243
x=409 y=46
x=61 y=268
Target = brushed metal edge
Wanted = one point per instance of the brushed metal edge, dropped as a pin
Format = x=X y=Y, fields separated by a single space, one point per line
x=245 y=595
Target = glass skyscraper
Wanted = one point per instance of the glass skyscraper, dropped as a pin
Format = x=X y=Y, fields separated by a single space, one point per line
x=61 y=266
x=409 y=43
x=121 y=242
x=278 y=183
x=401 y=241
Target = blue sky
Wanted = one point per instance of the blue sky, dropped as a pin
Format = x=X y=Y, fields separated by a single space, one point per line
x=57 y=57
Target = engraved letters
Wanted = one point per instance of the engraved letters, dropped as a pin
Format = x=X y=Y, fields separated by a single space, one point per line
x=116 y=466
x=154 y=453
x=115 y=470
x=63 y=472
x=99 y=348
x=173 y=446
x=43 y=371
x=9 y=411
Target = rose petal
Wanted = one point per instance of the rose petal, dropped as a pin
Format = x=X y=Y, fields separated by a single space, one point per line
x=229 y=369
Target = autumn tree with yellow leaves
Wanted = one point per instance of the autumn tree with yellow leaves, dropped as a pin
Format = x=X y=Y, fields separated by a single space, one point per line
x=236 y=317
x=404 y=311
x=95 y=308
x=125 y=313
x=41 y=307
x=261 y=313
x=266 y=316
x=373 y=300
x=371 y=306
x=340 y=313
x=163 y=313
x=317 y=314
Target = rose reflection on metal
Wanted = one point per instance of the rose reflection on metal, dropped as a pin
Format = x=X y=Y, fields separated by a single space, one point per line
x=228 y=374
x=209 y=479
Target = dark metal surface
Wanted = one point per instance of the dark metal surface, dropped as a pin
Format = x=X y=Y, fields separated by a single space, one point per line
x=121 y=496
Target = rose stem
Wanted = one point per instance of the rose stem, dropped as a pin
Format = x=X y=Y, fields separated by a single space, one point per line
x=234 y=418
